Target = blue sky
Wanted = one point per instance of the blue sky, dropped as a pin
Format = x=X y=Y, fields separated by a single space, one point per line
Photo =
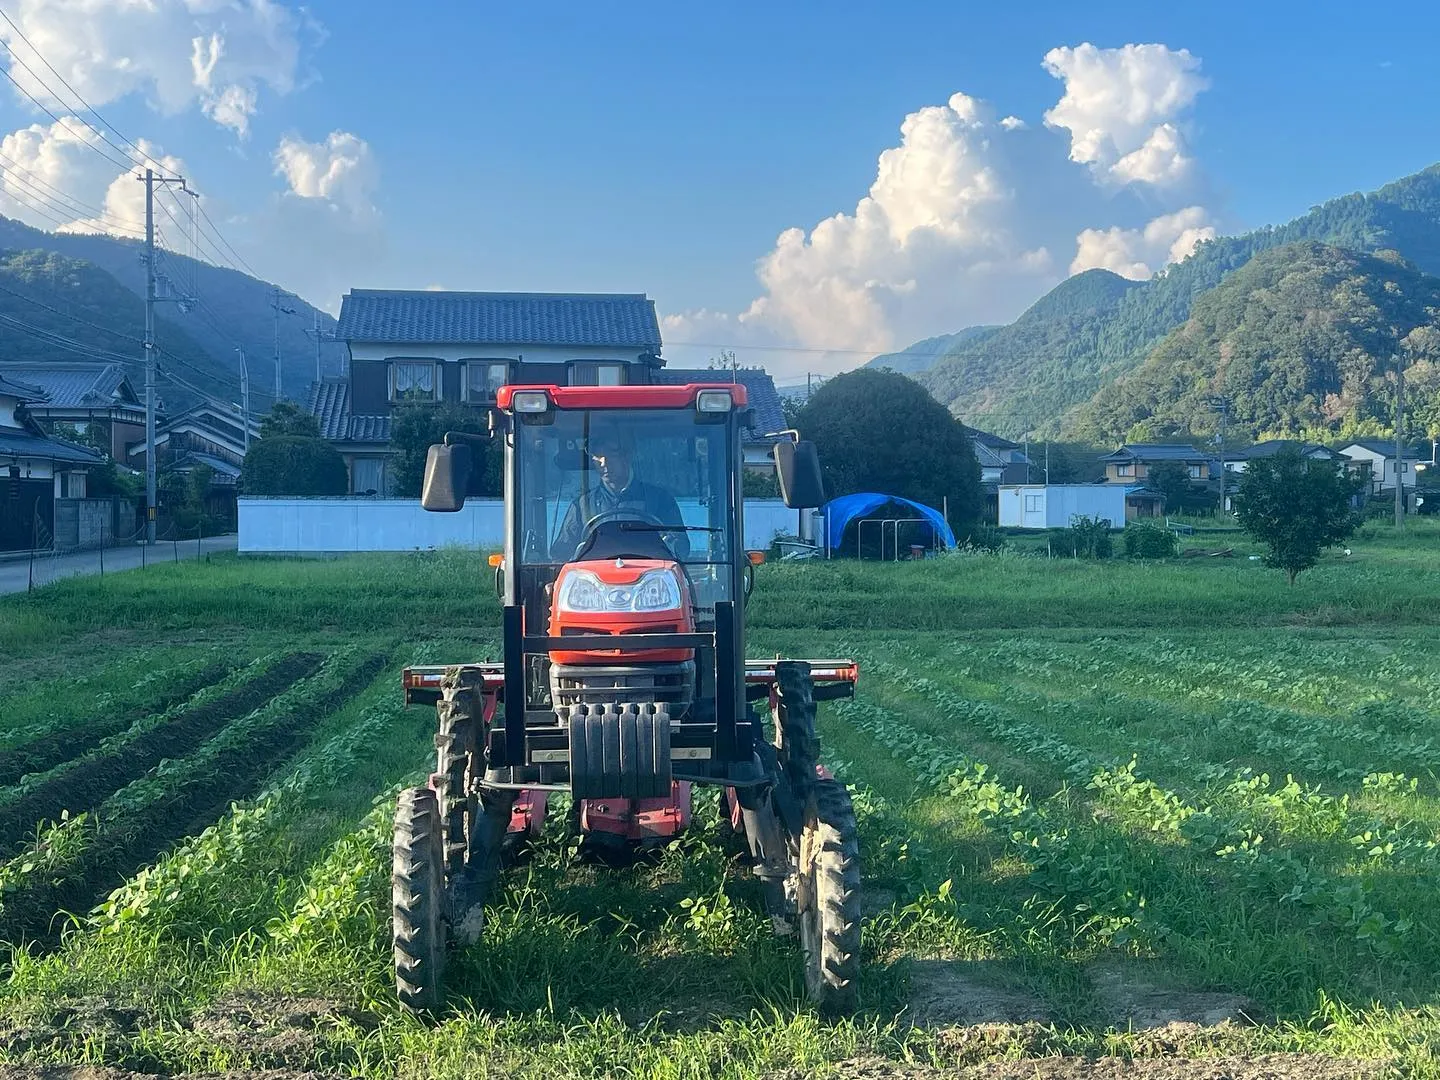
x=665 y=148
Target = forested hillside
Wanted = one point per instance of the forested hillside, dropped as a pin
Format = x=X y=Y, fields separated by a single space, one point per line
x=1038 y=374
x=233 y=309
x=1300 y=341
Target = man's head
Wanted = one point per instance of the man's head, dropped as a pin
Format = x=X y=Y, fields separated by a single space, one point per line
x=613 y=454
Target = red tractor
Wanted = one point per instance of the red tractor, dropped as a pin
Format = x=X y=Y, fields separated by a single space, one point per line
x=624 y=682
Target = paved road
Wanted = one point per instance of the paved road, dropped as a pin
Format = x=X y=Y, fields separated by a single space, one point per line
x=15 y=576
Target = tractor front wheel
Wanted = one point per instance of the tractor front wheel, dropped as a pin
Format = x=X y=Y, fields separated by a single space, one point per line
x=828 y=898
x=417 y=888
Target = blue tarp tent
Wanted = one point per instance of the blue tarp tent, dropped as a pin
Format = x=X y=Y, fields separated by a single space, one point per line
x=840 y=512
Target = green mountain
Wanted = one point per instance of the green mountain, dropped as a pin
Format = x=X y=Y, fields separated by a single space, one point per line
x=233 y=309
x=1011 y=379
x=918 y=357
x=1039 y=374
x=1299 y=340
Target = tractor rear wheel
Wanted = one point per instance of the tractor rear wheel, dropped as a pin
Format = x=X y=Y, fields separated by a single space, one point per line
x=798 y=746
x=828 y=896
x=417 y=892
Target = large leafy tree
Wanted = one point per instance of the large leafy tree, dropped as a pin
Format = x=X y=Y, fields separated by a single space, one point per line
x=879 y=431
x=293 y=465
x=1296 y=507
x=287 y=418
x=415 y=427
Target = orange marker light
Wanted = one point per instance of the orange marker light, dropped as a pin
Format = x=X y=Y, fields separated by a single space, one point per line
x=497 y=559
x=756 y=557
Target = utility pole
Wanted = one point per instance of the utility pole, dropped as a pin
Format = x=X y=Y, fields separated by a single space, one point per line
x=1399 y=441
x=275 y=303
x=1222 y=406
x=151 y=298
x=320 y=335
x=244 y=399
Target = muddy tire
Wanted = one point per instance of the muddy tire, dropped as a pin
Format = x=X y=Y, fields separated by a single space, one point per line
x=417 y=891
x=459 y=716
x=798 y=747
x=829 y=898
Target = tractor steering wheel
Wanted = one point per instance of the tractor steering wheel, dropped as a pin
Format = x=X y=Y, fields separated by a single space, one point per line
x=587 y=535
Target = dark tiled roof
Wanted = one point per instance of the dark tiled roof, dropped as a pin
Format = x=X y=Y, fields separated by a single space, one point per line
x=23 y=391
x=329 y=403
x=226 y=472
x=988 y=456
x=760 y=392
x=1383 y=447
x=1155 y=452
x=1271 y=447
x=620 y=320
x=369 y=429
x=985 y=438
x=72 y=385
x=18 y=443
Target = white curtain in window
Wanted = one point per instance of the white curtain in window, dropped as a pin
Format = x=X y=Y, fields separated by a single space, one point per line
x=414 y=377
x=369 y=476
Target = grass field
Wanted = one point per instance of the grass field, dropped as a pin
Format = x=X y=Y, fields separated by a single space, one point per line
x=1176 y=819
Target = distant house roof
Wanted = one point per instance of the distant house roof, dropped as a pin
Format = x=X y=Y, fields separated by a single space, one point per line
x=986 y=438
x=16 y=442
x=20 y=390
x=760 y=393
x=620 y=320
x=1155 y=452
x=1271 y=447
x=989 y=457
x=74 y=385
x=226 y=472
x=1383 y=447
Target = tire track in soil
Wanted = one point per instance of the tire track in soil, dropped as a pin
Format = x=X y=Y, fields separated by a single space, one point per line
x=57 y=747
x=137 y=840
x=91 y=782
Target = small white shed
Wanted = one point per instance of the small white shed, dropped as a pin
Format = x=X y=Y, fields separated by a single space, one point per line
x=1051 y=506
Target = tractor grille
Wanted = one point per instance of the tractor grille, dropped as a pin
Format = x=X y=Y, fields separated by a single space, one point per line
x=594 y=684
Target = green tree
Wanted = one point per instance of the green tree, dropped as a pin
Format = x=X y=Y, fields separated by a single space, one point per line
x=879 y=431
x=1296 y=507
x=1172 y=479
x=287 y=418
x=414 y=428
x=293 y=465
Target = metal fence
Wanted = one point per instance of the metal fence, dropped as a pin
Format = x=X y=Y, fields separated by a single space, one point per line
x=50 y=559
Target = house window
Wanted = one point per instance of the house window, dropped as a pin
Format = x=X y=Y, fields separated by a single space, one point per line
x=368 y=476
x=1033 y=504
x=483 y=378
x=1125 y=470
x=413 y=380
x=592 y=374
x=1195 y=471
x=72 y=485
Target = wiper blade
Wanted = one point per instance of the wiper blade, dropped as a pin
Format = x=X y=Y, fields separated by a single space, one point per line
x=645 y=526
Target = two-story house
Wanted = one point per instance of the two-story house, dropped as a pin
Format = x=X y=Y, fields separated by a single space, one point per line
x=35 y=470
x=1132 y=463
x=1236 y=460
x=1376 y=459
x=460 y=347
x=86 y=396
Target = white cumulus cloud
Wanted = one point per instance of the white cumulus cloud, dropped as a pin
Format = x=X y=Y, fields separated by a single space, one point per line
x=1120 y=107
x=930 y=240
x=1139 y=253
x=216 y=54
x=341 y=170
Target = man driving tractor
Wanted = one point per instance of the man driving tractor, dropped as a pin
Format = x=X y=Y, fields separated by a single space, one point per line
x=613 y=452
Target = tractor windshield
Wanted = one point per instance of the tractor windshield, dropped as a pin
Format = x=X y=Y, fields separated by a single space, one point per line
x=656 y=483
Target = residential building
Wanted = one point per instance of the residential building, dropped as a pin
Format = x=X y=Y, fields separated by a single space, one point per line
x=1133 y=463
x=1235 y=460
x=460 y=347
x=36 y=470
x=85 y=396
x=1376 y=459
x=1001 y=461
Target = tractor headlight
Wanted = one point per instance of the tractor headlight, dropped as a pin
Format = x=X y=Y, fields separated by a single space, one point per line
x=656 y=590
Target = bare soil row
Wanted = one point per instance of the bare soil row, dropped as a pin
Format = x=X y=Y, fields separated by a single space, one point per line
x=90 y=782
x=54 y=748
x=126 y=843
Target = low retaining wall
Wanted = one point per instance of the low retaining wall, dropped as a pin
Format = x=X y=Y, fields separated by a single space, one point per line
x=293 y=526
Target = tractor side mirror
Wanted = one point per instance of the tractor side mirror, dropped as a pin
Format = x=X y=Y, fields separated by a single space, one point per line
x=797 y=466
x=447 y=472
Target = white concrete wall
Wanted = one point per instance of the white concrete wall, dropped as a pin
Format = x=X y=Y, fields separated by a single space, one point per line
x=342 y=524
x=1059 y=503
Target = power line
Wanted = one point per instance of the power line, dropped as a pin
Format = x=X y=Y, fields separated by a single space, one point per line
x=127 y=164
x=74 y=202
x=216 y=229
x=73 y=318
